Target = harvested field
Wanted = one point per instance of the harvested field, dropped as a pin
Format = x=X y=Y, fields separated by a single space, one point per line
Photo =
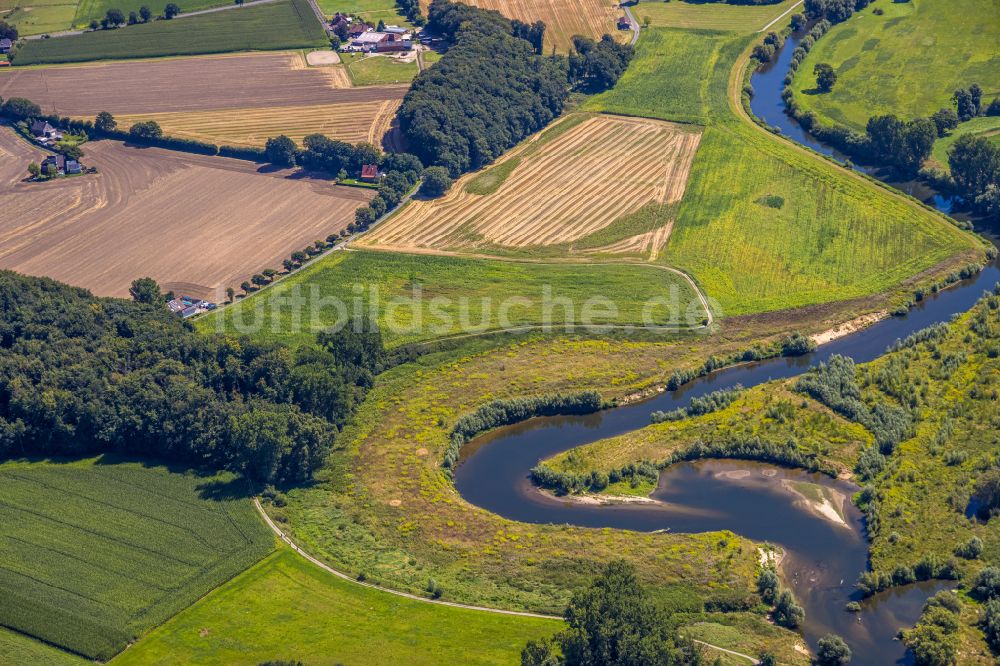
x=595 y=173
x=163 y=86
x=195 y=224
x=562 y=18
x=352 y=122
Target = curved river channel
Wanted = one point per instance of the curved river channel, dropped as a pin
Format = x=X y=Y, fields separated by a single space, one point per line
x=823 y=557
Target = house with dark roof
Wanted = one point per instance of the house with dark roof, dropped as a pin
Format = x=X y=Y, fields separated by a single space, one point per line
x=42 y=129
x=6 y=45
x=57 y=161
x=73 y=167
x=624 y=23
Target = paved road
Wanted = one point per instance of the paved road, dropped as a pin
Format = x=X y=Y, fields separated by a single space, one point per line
x=635 y=25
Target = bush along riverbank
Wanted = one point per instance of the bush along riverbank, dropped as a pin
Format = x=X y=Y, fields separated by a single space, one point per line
x=509 y=411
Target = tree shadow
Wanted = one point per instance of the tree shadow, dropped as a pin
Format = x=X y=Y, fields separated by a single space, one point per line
x=814 y=91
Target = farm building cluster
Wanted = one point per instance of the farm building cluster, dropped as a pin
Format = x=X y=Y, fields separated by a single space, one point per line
x=188 y=306
x=361 y=37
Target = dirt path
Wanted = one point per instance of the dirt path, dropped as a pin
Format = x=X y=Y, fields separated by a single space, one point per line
x=635 y=26
x=781 y=16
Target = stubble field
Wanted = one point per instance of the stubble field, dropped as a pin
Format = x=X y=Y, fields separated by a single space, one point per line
x=563 y=187
x=195 y=224
x=235 y=100
x=562 y=18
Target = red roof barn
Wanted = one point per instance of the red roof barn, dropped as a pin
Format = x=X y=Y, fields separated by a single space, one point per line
x=369 y=172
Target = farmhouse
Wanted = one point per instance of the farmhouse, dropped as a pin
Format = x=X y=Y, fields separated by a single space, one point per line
x=624 y=23
x=58 y=162
x=6 y=45
x=357 y=28
x=370 y=173
x=43 y=130
x=187 y=306
x=73 y=167
x=370 y=39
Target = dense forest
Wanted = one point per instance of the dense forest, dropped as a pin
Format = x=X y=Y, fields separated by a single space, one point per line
x=83 y=375
x=494 y=87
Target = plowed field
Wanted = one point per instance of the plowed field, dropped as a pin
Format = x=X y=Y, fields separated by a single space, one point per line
x=195 y=224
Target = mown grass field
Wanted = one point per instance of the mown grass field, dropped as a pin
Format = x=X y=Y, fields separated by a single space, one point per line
x=370 y=10
x=907 y=61
x=289 y=608
x=986 y=126
x=372 y=70
x=422 y=297
x=35 y=17
x=38 y=17
x=281 y=25
x=711 y=15
x=17 y=648
x=96 y=552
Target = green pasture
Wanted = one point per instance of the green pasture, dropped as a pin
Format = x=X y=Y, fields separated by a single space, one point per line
x=422 y=297
x=281 y=25
x=907 y=61
x=711 y=15
x=288 y=608
x=95 y=552
x=367 y=70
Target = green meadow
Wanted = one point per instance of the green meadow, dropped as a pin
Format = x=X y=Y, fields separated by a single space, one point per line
x=280 y=25
x=667 y=78
x=96 y=552
x=833 y=237
x=253 y=618
x=371 y=70
x=907 y=61
x=711 y=15
x=421 y=297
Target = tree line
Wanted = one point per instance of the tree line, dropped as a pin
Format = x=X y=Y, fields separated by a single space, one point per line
x=85 y=375
x=493 y=87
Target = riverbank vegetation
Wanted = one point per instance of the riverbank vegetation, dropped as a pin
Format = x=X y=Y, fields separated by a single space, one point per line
x=768 y=423
x=926 y=456
x=97 y=551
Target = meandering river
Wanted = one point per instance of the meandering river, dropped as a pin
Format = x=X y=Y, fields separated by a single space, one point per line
x=824 y=557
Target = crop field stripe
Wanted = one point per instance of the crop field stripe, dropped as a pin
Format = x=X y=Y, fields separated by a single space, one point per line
x=96 y=553
x=624 y=162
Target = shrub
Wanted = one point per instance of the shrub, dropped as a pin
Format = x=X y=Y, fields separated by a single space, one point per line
x=787 y=613
x=436 y=181
x=831 y=650
x=971 y=549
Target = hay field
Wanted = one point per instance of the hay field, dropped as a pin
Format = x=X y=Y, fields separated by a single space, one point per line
x=248 y=81
x=562 y=187
x=196 y=224
x=352 y=122
x=562 y=18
